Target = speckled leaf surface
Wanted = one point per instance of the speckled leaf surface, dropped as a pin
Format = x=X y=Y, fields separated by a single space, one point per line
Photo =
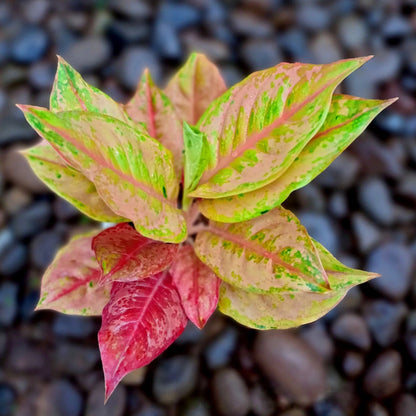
x=152 y=109
x=69 y=284
x=346 y=120
x=269 y=254
x=291 y=309
x=258 y=128
x=194 y=87
x=124 y=255
x=71 y=93
x=68 y=183
x=140 y=321
x=133 y=173
x=197 y=285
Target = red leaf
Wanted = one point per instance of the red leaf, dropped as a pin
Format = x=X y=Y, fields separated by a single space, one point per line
x=125 y=255
x=197 y=284
x=140 y=321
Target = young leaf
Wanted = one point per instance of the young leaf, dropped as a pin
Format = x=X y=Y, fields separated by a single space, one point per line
x=258 y=128
x=133 y=173
x=194 y=87
x=347 y=118
x=68 y=183
x=71 y=93
x=290 y=309
x=140 y=321
x=124 y=255
x=69 y=284
x=197 y=285
x=269 y=254
x=151 y=108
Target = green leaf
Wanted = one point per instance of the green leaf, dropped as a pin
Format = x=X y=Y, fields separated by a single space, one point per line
x=152 y=109
x=269 y=254
x=347 y=118
x=133 y=173
x=196 y=159
x=194 y=87
x=291 y=309
x=68 y=183
x=258 y=128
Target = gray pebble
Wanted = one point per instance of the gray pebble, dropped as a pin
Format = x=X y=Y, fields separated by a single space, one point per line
x=366 y=233
x=43 y=248
x=219 y=351
x=13 y=259
x=42 y=74
x=352 y=329
x=260 y=54
x=313 y=17
x=31 y=220
x=15 y=131
x=353 y=364
x=405 y=405
x=179 y=16
x=73 y=326
x=352 y=31
x=115 y=405
x=166 y=41
x=317 y=337
x=30 y=45
x=132 y=9
x=325 y=49
x=261 y=402
x=248 y=24
x=341 y=173
x=73 y=359
x=8 y=303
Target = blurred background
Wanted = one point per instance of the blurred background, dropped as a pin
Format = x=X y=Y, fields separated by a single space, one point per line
x=358 y=360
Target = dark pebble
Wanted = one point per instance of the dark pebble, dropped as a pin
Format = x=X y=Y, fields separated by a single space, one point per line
x=230 y=393
x=25 y=357
x=179 y=16
x=115 y=405
x=353 y=364
x=73 y=326
x=15 y=131
x=327 y=407
x=174 y=379
x=313 y=17
x=31 y=220
x=405 y=405
x=132 y=9
x=376 y=409
x=317 y=337
x=261 y=402
x=82 y=358
x=151 y=410
x=352 y=329
x=411 y=345
x=219 y=352
x=383 y=377
x=341 y=173
x=13 y=258
x=63 y=210
x=30 y=45
x=43 y=248
x=197 y=407
x=7 y=400
x=122 y=33
x=8 y=303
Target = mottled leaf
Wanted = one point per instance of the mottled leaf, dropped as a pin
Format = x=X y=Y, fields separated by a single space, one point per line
x=197 y=285
x=68 y=183
x=258 y=127
x=133 y=173
x=347 y=118
x=69 y=284
x=194 y=87
x=152 y=109
x=124 y=255
x=140 y=321
x=291 y=309
x=269 y=254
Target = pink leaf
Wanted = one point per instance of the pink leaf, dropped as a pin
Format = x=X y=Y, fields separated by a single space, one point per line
x=125 y=255
x=141 y=320
x=197 y=285
x=70 y=282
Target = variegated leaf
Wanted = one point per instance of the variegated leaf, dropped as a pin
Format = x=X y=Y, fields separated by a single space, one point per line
x=269 y=254
x=133 y=173
x=152 y=109
x=124 y=255
x=69 y=284
x=140 y=321
x=194 y=87
x=347 y=118
x=68 y=183
x=291 y=309
x=197 y=285
x=258 y=128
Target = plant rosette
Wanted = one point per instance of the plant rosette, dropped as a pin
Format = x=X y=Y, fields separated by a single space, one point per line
x=193 y=177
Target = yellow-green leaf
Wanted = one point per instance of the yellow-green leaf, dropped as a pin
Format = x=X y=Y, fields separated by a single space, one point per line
x=133 y=173
x=258 y=128
x=346 y=120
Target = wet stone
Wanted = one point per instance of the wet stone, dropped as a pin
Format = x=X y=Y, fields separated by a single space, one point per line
x=220 y=351
x=8 y=303
x=115 y=405
x=352 y=329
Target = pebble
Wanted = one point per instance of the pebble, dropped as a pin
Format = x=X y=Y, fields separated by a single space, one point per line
x=261 y=402
x=60 y=398
x=132 y=63
x=135 y=377
x=115 y=405
x=36 y=10
x=219 y=352
x=394 y=262
x=384 y=66
x=291 y=365
x=366 y=233
x=166 y=41
x=407 y=186
x=196 y=407
x=42 y=74
x=13 y=259
x=411 y=345
x=376 y=409
x=14 y=131
x=15 y=199
x=260 y=54
x=179 y=16
x=328 y=407
x=311 y=197
x=82 y=358
x=352 y=32
x=132 y=9
x=214 y=49
x=8 y=303
x=63 y=210
x=324 y=48
x=43 y=248
x=151 y=410
x=30 y=45
x=353 y=364
x=405 y=405
x=25 y=357
x=248 y=24
x=352 y=329
x=73 y=326
x=230 y=393
x=384 y=319
x=30 y=221
x=383 y=377
x=295 y=43
x=7 y=400
x=313 y=17
x=175 y=378
x=317 y=337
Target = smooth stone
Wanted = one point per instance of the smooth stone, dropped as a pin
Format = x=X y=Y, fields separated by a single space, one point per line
x=353 y=364
x=394 y=263
x=30 y=221
x=383 y=377
x=175 y=378
x=7 y=400
x=396 y=28
x=384 y=320
x=212 y=48
x=230 y=393
x=219 y=352
x=115 y=405
x=197 y=407
x=366 y=233
x=73 y=326
x=260 y=54
x=166 y=41
x=261 y=402
x=384 y=66
x=82 y=358
x=352 y=31
x=30 y=45
x=411 y=345
x=317 y=337
x=291 y=365
x=132 y=9
x=352 y=329
x=135 y=377
x=151 y=410
x=13 y=259
x=324 y=49
x=42 y=74
x=374 y=197
x=407 y=186
x=36 y=10
x=295 y=42
x=405 y=405
x=122 y=33
x=63 y=210
x=179 y=16
x=328 y=407
x=15 y=199
x=15 y=131
x=8 y=303
x=311 y=197
x=376 y=409
x=6 y=238
x=44 y=246
x=25 y=357
x=247 y=24
x=313 y=17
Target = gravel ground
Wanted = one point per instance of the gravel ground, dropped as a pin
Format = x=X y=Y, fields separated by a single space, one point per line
x=358 y=360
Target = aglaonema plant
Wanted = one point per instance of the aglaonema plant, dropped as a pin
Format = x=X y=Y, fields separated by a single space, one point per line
x=193 y=177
